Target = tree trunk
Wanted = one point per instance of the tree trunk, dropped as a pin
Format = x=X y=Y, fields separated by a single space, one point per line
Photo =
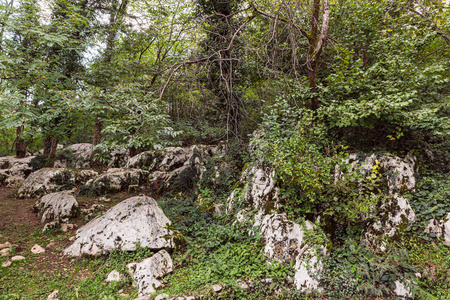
x=20 y=144
x=95 y=141
x=50 y=145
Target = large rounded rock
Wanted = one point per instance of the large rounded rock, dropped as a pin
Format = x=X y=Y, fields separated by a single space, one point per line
x=135 y=221
x=60 y=205
x=50 y=180
x=74 y=156
x=14 y=170
x=147 y=272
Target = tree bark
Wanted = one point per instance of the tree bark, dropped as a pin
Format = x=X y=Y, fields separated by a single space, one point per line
x=50 y=145
x=20 y=144
x=95 y=141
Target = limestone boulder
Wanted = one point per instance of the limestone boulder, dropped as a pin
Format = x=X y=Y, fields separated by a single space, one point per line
x=50 y=180
x=286 y=240
x=14 y=170
x=76 y=156
x=135 y=221
x=147 y=272
x=115 y=180
x=176 y=168
x=256 y=189
x=440 y=228
x=57 y=206
x=118 y=159
x=393 y=218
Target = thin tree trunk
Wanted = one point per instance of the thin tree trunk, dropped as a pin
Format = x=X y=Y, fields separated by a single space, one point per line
x=95 y=141
x=20 y=144
x=50 y=145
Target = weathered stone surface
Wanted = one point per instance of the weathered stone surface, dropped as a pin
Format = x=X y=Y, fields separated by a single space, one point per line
x=6 y=264
x=5 y=252
x=173 y=167
x=147 y=272
x=59 y=205
x=54 y=295
x=216 y=288
x=5 y=245
x=115 y=180
x=162 y=296
x=402 y=290
x=36 y=249
x=14 y=181
x=14 y=170
x=114 y=276
x=50 y=180
x=395 y=216
x=119 y=159
x=441 y=228
x=286 y=240
x=137 y=220
x=75 y=156
x=257 y=189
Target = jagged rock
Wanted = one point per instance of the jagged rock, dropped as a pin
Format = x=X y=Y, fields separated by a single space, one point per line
x=66 y=227
x=286 y=240
x=173 y=167
x=51 y=225
x=76 y=156
x=137 y=220
x=59 y=205
x=395 y=216
x=401 y=173
x=257 y=189
x=50 y=180
x=147 y=272
x=440 y=228
x=119 y=159
x=36 y=249
x=114 y=276
x=402 y=290
x=17 y=258
x=54 y=295
x=14 y=170
x=14 y=181
x=115 y=180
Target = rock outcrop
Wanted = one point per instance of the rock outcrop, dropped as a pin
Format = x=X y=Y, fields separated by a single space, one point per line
x=256 y=189
x=173 y=167
x=57 y=206
x=147 y=272
x=76 y=156
x=286 y=240
x=14 y=170
x=50 y=180
x=115 y=180
x=440 y=228
x=135 y=221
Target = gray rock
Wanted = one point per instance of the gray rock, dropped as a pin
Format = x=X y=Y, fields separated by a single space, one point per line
x=441 y=228
x=257 y=188
x=114 y=276
x=217 y=288
x=162 y=296
x=5 y=245
x=5 y=252
x=286 y=240
x=115 y=180
x=137 y=220
x=6 y=264
x=402 y=290
x=147 y=272
x=59 y=205
x=54 y=295
x=50 y=180
x=78 y=157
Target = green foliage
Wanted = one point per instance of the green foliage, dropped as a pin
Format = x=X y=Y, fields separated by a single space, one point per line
x=354 y=271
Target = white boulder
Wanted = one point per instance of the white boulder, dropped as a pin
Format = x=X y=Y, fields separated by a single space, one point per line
x=59 y=205
x=286 y=240
x=135 y=221
x=115 y=180
x=147 y=272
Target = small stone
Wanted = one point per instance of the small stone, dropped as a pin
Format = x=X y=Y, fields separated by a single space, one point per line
x=244 y=286
x=5 y=252
x=67 y=227
x=6 y=264
x=190 y=298
x=104 y=199
x=217 y=288
x=5 y=245
x=72 y=238
x=37 y=249
x=114 y=276
x=51 y=245
x=267 y=280
x=17 y=258
x=162 y=296
x=53 y=296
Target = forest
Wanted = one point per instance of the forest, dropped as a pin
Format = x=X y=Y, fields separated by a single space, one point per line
x=329 y=117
